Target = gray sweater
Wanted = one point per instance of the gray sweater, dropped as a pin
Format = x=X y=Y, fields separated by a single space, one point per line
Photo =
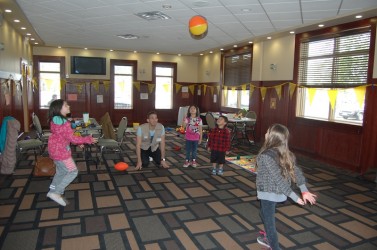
x=271 y=185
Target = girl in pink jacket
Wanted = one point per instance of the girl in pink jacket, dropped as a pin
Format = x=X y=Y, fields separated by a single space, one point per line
x=60 y=151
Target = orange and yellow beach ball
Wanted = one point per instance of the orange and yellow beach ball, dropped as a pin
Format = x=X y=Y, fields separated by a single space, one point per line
x=198 y=26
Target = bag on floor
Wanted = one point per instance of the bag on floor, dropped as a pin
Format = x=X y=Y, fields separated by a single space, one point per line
x=44 y=166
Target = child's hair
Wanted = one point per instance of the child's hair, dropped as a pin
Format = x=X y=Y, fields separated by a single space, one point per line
x=55 y=108
x=197 y=111
x=225 y=118
x=277 y=138
x=151 y=113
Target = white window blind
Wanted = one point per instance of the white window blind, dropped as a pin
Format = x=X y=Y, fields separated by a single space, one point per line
x=335 y=62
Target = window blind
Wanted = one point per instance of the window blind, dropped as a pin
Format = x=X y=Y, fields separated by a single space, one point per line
x=237 y=69
x=335 y=62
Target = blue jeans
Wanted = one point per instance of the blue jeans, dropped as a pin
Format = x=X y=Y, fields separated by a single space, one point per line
x=191 y=149
x=267 y=213
x=62 y=178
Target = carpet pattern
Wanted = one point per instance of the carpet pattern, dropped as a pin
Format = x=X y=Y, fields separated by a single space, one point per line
x=180 y=208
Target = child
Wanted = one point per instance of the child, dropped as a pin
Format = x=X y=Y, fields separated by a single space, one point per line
x=193 y=124
x=219 y=144
x=276 y=170
x=60 y=151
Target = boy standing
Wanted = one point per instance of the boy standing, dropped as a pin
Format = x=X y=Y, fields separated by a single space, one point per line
x=219 y=144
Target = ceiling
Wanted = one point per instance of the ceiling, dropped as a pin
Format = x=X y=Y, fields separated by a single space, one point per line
x=96 y=24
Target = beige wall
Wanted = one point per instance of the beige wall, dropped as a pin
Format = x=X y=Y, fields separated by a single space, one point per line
x=209 y=68
x=15 y=48
x=280 y=52
x=187 y=65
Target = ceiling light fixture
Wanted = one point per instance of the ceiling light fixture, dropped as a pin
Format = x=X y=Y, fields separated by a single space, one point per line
x=128 y=36
x=200 y=3
x=269 y=38
x=16 y=20
x=23 y=28
x=111 y=50
x=8 y=11
x=321 y=25
x=291 y=32
x=358 y=16
x=166 y=6
x=235 y=46
x=246 y=10
x=153 y=15
x=250 y=42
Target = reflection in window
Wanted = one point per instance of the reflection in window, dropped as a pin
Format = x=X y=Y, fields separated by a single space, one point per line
x=123 y=79
x=338 y=64
x=49 y=83
x=164 y=87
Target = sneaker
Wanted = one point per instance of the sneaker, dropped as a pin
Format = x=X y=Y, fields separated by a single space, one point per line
x=263 y=241
x=193 y=164
x=57 y=198
x=187 y=163
x=220 y=172
x=214 y=171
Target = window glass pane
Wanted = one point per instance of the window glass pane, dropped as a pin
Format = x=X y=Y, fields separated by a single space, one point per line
x=231 y=98
x=49 y=66
x=49 y=88
x=320 y=48
x=122 y=92
x=162 y=71
x=319 y=108
x=245 y=99
x=347 y=108
x=163 y=93
x=124 y=70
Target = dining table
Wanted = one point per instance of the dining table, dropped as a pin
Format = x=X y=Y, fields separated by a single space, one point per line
x=237 y=127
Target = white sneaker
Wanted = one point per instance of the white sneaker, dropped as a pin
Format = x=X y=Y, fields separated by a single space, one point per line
x=57 y=198
x=187 y=163
x=193 y=164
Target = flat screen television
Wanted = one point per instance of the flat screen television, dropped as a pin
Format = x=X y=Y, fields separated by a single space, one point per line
x=88 y=65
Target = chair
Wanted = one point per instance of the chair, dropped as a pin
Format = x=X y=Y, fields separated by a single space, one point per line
x=108 y=131
x=105 y=144
x=250 y=126
x=42 y=135
x=211 y=123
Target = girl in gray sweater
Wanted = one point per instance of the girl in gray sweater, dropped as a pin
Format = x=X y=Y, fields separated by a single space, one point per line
x=276 y=171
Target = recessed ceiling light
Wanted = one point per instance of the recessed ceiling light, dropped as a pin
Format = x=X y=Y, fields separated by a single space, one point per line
x=23 y=28
x=16 y=20
x=269 y=38
x=235 y=46
x=221 y=49
x=321 y=25
x=85 y=48
x=291 y=32
x=36 y=43
x=158 y=53
x=201 y=54
x=245 y=10
x=135 y=51
x=32 y=39
x=358 y=16
x=211 y=52
x=59 y=47
x=8 y=11
x=179 y=54
x=250 y=42
x=111 y=50
x=28 y=34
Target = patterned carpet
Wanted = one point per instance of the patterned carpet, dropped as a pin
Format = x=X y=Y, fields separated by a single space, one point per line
x=180 y=208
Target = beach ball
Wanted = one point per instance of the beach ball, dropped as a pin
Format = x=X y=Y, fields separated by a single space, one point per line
x=121 y=166
x=198 y=27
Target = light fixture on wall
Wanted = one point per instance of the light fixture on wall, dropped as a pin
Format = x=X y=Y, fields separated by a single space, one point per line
x=142 y=71
x=1 y=46
x=208 y=72
x=273 y=66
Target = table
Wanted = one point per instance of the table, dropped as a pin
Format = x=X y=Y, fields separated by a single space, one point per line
x=93 y=129
x=238 y=126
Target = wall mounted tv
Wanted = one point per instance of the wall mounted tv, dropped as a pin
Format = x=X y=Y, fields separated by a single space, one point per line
x=88 y=65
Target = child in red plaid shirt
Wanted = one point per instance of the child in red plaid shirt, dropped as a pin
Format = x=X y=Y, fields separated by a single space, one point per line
x=219 y=144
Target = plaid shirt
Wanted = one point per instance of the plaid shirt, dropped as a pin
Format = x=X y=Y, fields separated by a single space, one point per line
x=219 y=139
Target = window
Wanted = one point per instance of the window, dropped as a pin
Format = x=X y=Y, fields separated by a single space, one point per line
x=122 y=73
x=237 y=71
x=164 y=79
x=49 y=83
x=336 y=64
